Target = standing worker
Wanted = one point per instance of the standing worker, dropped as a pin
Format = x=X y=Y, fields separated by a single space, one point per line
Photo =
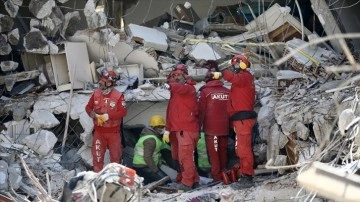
x=107 y=108
x=214 y=119
x=147 y=154
x=183 y=124
x=243 y=116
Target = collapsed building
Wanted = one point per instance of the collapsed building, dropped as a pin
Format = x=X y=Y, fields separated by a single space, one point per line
x=304 y=57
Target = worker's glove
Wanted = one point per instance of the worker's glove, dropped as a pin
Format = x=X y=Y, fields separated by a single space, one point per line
x=101 y=119
x=216 y=75
x=166 y=137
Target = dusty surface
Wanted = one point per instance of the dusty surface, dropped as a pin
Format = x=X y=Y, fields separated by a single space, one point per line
x=267 y=188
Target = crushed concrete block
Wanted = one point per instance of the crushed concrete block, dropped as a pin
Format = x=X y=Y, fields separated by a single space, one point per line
x=62 y=1
x=41 y=8
x=70 y=158
x=280 y=160
x=11 y=8
x=7 y=157
x=42 y=142
x=71 y=24
x=85 y=153
x=17 y=128
x=5 y=48
x=36 y=42
x=302 y=131
x=88 y=125
x=3 y=175
x=35 y=23
x=57 y=18
x=10 y=82
x=13 y=37
x=113 y=40
x=203 y=51
x=15 y=176
x=8 y=66
x=266 y=116
x=52 y=164
x=53 y=49
x=17 y=2
x=150 y=37
x=43 y=119
x=6 y=23
x=94 y=19
x=289 y=127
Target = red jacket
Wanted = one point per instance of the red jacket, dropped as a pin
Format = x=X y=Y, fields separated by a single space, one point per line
x=213 y=100
x=112 y=104
x=242 y=92
x=182 y=110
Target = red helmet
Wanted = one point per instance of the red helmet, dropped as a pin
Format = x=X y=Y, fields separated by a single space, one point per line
x=240 y=61
x=109 y=75
x=180 y=69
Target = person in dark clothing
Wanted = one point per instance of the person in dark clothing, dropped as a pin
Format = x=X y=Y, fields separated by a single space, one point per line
x=147 y=154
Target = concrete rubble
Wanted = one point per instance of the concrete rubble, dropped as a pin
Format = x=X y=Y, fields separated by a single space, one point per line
x=304 y=108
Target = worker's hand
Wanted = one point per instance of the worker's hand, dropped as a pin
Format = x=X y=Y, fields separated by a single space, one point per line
x=166 y=137
x=101 y=119
x=216 y=75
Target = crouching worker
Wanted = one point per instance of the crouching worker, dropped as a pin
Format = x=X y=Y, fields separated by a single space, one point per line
x=147 y=154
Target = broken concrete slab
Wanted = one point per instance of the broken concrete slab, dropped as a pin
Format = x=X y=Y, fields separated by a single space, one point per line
x=71 y=23
x=5 y=48
x=95 y=19
x=15 y=176
x=11 y=8
x=149 y=37
x=17 y=2
x=203 y=51
x=43 y=119
x=8 y=66
x=42 y=142
x=13 y=37
x=4 y=175
x=41 y=8
x=125 y=53
x=36 y=42
x=6 y=23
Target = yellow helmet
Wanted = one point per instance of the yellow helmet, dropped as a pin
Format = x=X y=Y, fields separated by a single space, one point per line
x=157 y=120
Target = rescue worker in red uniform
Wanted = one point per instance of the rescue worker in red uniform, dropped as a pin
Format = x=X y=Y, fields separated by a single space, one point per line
x=243 y=116
x=107 y=108
x=183 y=123
x=214 y=119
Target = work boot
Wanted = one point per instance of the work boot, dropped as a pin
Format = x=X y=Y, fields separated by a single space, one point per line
x=244 y=182
x=183 y=188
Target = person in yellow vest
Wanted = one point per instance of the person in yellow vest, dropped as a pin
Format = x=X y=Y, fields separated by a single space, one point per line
x=202 y=158
x=147 y=152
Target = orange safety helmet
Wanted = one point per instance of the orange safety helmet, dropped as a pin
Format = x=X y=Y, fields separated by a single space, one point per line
x=240 y=61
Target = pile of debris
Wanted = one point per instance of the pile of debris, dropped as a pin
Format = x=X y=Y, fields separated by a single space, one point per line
x=298 y=106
